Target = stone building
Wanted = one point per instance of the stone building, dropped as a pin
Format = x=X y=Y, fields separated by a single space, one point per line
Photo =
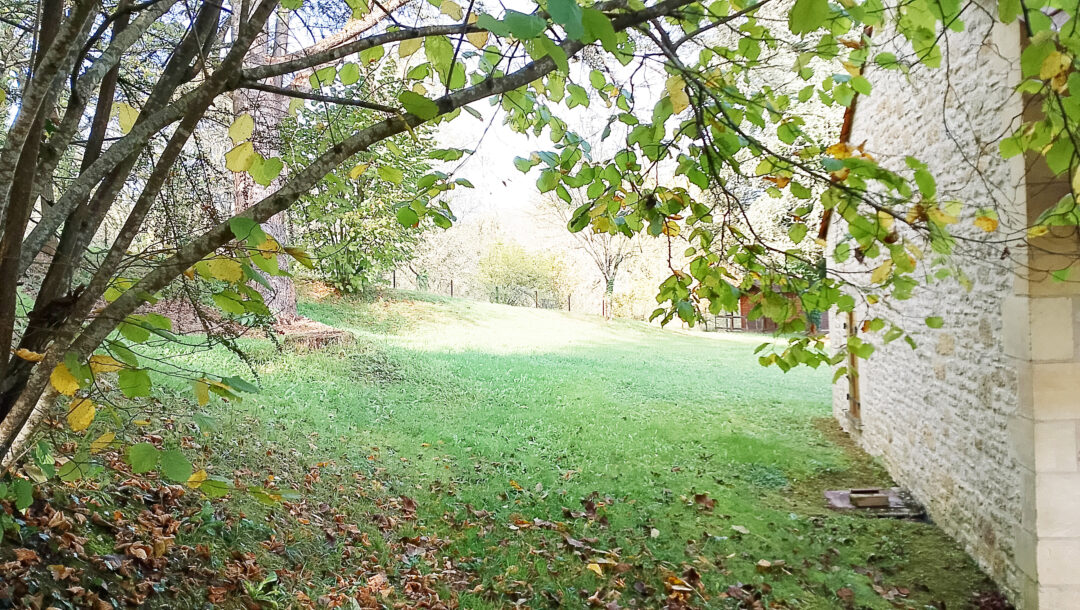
x=980 y=421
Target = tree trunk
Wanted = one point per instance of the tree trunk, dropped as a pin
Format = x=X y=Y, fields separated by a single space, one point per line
x=268 y=110
x=609 y=297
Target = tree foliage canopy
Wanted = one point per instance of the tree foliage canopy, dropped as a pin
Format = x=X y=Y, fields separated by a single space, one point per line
x=105 y=104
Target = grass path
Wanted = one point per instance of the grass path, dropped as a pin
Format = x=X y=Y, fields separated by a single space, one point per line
x=560 y=459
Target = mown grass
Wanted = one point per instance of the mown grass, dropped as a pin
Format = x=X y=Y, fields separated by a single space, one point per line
x=505 y=424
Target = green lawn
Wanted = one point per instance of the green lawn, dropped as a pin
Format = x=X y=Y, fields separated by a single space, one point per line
x=554 y=458
x=487 y=456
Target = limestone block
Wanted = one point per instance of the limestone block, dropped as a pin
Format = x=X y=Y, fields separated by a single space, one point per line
x=1051 y=328
x=1059 y=598
x=1016 y=332
x=1055 y=447
x=1055 y=390
x=1057 y=497
x=1059 y=564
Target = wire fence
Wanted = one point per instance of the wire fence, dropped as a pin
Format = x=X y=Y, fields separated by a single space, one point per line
x=518 y=296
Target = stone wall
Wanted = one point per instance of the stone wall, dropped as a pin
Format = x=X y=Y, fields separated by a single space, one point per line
x=943 y=417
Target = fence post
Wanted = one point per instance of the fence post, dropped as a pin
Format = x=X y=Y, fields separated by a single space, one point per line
x=451 y=286
x=393 y=274
x=496 y=294
x=536 y=298
x=567 y=302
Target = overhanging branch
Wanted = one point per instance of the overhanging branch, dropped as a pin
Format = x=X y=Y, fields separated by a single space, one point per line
x=318 y=97
x=307 y=178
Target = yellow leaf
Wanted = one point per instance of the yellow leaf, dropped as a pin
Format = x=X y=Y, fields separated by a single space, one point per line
x=125 y=115
x=881 y=273
x=355 y=172
x=202 y=392
x=1054 y=64
x=196 y=479
x=885 y=219
x=986 y=223
x=940 y=217
x=81 y=414
x=28 y=355
x=676 y=90
x=515 y=484
x=269 y=248
x=242 y=128
x=102 y=442
x=301 y=256
x=64 y=382
x=225 y=269
x=451 y=9
x=100 y=363
x=408 y=47
x=419 y=89
x=840 y=150
x=240 y=158
x=595 y=567
x=476 y=39
x=1038 y=231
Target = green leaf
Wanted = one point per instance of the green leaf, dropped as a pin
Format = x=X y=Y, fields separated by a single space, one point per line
x=1008 y=10
x=142 y=457
x=264 y=171
x=407 y=216
x=134 y=382
x=244 y=228
x=597 y=80
x=568 y=14
x=797 y=232
x=359 y=8
x=861 y=85
x=133 y=332
x=440 y=52
x=555 y=52
x=493 y=25
x=440 y=221
x=24 y=494
x=419 y=105
x=548 y=179
x=935 y=322
x=926 y=183
x=598 y=27
x=369 y=56
x=807 y=15
x=175 y=466
x=350 y=73
x=391 y=174
x=215 y=487
x=76 y=468
x=524 y=165
x=524 y=27
x=240 y=384
x=323 y=76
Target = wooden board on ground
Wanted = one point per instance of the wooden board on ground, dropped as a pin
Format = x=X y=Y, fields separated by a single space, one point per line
x=899 y=504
